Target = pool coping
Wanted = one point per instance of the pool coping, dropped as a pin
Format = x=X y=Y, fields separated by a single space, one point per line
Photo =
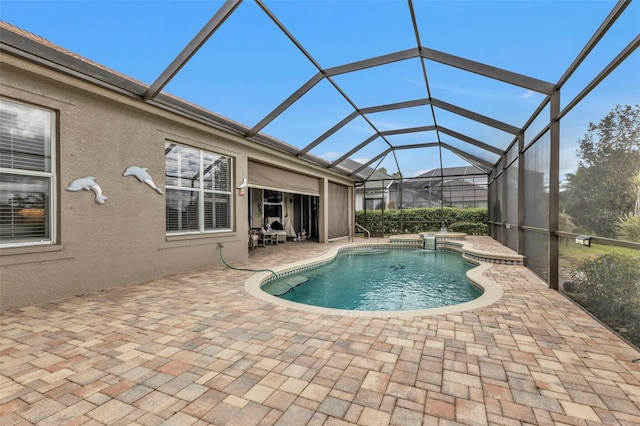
x=492 y=291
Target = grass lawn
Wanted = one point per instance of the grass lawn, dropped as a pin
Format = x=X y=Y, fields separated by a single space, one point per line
x=574 y=252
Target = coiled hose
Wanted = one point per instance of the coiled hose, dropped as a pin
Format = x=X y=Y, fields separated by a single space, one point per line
x=245 y=269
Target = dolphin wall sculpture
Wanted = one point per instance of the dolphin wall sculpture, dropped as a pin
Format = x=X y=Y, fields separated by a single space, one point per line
x=142 y=175
x=88 y=183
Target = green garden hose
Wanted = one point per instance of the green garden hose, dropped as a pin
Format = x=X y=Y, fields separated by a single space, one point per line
x=245 y=269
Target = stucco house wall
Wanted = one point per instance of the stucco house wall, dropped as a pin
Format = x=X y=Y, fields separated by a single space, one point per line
x=100 y=133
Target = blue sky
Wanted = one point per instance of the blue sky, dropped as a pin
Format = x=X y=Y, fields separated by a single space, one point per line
x=249 y=67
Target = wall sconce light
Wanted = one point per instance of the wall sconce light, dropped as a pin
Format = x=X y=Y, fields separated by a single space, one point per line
x=583 y=240
x=242 y=188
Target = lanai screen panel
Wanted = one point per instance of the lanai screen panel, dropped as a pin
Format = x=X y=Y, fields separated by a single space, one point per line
x=511 y=204
x=536 y=203
x=339 y=211
x=498 y=206
x=536 y=180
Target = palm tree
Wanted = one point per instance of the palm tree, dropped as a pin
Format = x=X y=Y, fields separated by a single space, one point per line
x=629 y=224
x=635 y=181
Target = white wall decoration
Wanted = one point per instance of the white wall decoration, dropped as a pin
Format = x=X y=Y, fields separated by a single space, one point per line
x=88 y=183
x=142 y=175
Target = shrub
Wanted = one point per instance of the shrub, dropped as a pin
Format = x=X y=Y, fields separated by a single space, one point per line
x=609 y=287
x=469 y=228
x=396 y=221
x=629 y=228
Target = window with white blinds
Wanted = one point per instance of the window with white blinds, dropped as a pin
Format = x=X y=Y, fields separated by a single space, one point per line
x=199 y=190
x=26 y=174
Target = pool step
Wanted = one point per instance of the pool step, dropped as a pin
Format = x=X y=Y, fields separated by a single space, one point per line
x=282 y=285
x=367 y=252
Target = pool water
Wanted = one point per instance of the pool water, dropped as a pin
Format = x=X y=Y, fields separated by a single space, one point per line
x=383 y=280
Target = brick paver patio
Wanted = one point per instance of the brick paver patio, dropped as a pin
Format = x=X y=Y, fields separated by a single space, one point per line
x=196 y=350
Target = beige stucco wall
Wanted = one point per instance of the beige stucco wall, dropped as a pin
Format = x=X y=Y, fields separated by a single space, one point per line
x=100 y=133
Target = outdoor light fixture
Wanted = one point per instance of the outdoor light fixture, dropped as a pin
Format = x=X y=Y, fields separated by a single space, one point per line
x=583 y=240
x=242 y=188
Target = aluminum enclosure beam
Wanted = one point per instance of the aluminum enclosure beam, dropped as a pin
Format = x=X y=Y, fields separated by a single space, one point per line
x=408 y=130
x=516 y=79
x=471 y=141
x=315 y=63
x=628 y=50
x=417 y=145
x=353 y=115
x=285 y=104
x=373 y=160
x=194 y=45
x=486 y=164
x=593 y=41
x=354 y=150
x=397 y=105
x=373 y=62
x=328 y=133
x=475 y=116
x=409 y=104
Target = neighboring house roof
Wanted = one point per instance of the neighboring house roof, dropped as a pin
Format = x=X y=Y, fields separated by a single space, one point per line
x=452 y=171
x=456 y=183
x=449 y=178
x=375 y=177
x=436 y=177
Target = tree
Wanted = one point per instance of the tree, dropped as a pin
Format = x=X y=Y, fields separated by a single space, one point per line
x=598 y=194
x=629 y=224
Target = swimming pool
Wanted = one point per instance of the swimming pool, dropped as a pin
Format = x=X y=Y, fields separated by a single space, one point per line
x=381 y=280
x=257 y=283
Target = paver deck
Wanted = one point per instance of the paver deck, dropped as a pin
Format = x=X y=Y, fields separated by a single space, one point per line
x=197 y=349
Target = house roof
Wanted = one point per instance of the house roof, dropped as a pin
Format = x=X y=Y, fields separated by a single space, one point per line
x=364 y=172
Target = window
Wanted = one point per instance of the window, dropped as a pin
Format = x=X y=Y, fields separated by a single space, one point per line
x=272 y=203
x=199 y=190
x=27 y=175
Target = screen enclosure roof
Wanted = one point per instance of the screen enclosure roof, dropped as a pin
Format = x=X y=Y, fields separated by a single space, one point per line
x=408 y=86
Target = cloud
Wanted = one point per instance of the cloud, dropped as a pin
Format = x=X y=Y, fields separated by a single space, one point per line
x=332 y=155
x=362 y=160
x=526 y=95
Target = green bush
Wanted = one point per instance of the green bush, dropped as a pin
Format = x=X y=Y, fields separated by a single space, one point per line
x=469 y=228
x=609 y=287
x=412 y=221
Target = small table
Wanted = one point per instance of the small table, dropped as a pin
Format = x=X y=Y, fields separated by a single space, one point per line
x=267 y=238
